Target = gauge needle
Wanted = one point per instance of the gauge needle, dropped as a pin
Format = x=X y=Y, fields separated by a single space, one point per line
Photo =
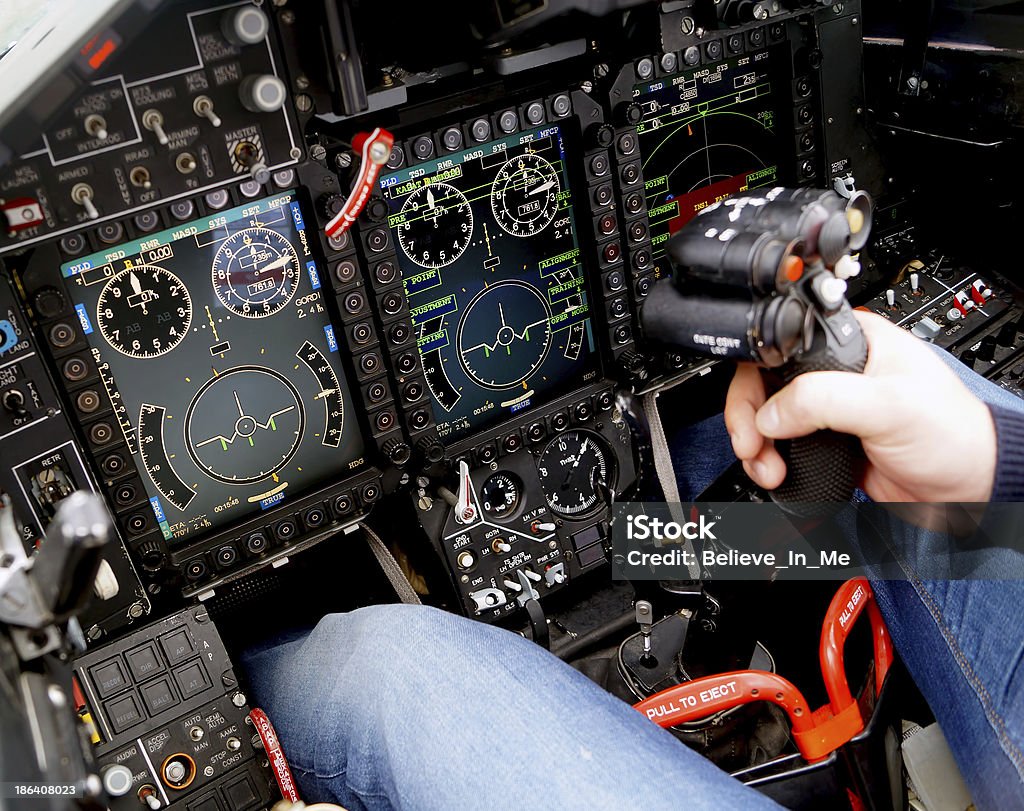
x=136 y=285
x=541 y=187
x=280 y=262
x=430 y=199
x=238 y=403
x=576 y=464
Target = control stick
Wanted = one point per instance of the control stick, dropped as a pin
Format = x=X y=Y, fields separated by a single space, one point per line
x=762 y=278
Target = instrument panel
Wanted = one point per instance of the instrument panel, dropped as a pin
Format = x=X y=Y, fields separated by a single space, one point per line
x=494 y=277
x=216 y=349
x=241 y=386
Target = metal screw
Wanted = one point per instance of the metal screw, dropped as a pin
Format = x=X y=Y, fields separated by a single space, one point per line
x=303 y=103
x=587 y=87
x=687 y=25
x=301 y=82
x=295 y=154
x=136 y=610
x=552 y=544
x=760 y=13
x=854 y=21
x=279 y=3
x=94 y=633
x=387 y=80
x=287 y=17
x=238 y=699
x=317 y=152
x=343 y=160
x=600 y=71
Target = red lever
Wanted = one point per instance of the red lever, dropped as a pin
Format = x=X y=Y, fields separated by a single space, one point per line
x=700 y=698
x=853 y=597
x=374 y=148
x=816 y=734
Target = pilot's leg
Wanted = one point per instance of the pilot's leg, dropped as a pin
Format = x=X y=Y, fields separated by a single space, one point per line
x=410 y=707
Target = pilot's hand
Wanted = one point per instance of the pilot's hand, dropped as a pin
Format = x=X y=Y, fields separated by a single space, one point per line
x=925 y=436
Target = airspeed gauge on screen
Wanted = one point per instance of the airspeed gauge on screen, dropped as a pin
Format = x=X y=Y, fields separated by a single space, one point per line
x=436 y=225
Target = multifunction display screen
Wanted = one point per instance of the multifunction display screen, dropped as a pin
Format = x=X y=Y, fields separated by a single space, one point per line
x=217 y=353
x=494 y=277
x=706 y=133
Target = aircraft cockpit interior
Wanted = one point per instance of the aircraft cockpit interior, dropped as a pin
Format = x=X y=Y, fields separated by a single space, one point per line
x=511 y=404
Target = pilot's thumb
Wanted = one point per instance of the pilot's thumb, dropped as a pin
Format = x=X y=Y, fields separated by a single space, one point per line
x=843 y=401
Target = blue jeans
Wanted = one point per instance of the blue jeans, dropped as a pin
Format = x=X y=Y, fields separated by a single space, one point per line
x=410 y=707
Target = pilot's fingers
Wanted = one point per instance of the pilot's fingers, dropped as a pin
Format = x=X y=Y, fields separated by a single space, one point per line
x=842 y=401
x=767 y=469
x=746 y=395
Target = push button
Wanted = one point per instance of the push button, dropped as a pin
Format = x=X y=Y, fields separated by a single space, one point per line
x=177 y=645
x=123 y=712
x=158 y=696
x=191 y=679
x=109 y=678
x=241 y=794
x=207 y=803
x=144 y=662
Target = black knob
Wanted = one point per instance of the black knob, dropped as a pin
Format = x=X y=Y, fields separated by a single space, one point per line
x=987 y=350
x=430 y=448
x=330 y=205
x=397 y=452
x=49 y=302
x=968 y=357
x=631 y=362
x=1007 y=335
x=152 y=555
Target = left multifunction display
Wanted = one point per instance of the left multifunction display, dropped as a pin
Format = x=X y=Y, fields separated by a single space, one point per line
x=217 y=392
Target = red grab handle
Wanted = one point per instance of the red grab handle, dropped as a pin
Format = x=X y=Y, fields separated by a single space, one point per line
x=697 y=699
x=850 y=602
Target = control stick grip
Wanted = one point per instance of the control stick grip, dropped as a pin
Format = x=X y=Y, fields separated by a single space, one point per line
x=821 y=468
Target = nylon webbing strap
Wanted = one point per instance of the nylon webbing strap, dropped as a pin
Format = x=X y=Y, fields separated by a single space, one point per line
x=666 y=471
x=406 y=593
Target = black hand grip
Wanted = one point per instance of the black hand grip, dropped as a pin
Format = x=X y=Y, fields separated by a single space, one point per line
x=821 y=468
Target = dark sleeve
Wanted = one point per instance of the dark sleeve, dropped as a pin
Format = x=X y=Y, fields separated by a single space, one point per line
x=1009 y=480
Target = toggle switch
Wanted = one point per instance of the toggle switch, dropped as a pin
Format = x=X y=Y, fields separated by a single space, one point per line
x=500 y=546
x=915 y=284
x=96 y=126
x=987 y=349
x=153 y=121
x=203 y=107
x=890 y=299
x=1007 y=335
x=81 y=193
x=968 y=358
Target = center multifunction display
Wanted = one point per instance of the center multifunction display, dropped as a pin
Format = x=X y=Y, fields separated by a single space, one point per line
x=216 y=349
x=706 y=133
x=493 y=274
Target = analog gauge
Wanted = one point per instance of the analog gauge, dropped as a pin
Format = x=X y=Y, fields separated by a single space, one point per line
x=501 y=495
x=571 y=468
x=244 y=425
x=255 y=272
x=524 y=195
x=504 y=335
x=144 y=311
x=436 y=225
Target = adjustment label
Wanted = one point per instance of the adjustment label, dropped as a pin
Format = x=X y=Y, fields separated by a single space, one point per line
x=83 y=318
x=314 y=277
x=332 y=342
x=270 y=501
x=297 y=216
x=161 y=519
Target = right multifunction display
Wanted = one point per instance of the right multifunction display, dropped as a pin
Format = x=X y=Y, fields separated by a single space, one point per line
x=706 y=133
x=493 y=274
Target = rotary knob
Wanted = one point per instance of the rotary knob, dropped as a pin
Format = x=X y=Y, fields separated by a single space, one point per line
x=49 y=302
x=431 y=450
x=397 y=452
x=631 y=363
x=152 y=555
